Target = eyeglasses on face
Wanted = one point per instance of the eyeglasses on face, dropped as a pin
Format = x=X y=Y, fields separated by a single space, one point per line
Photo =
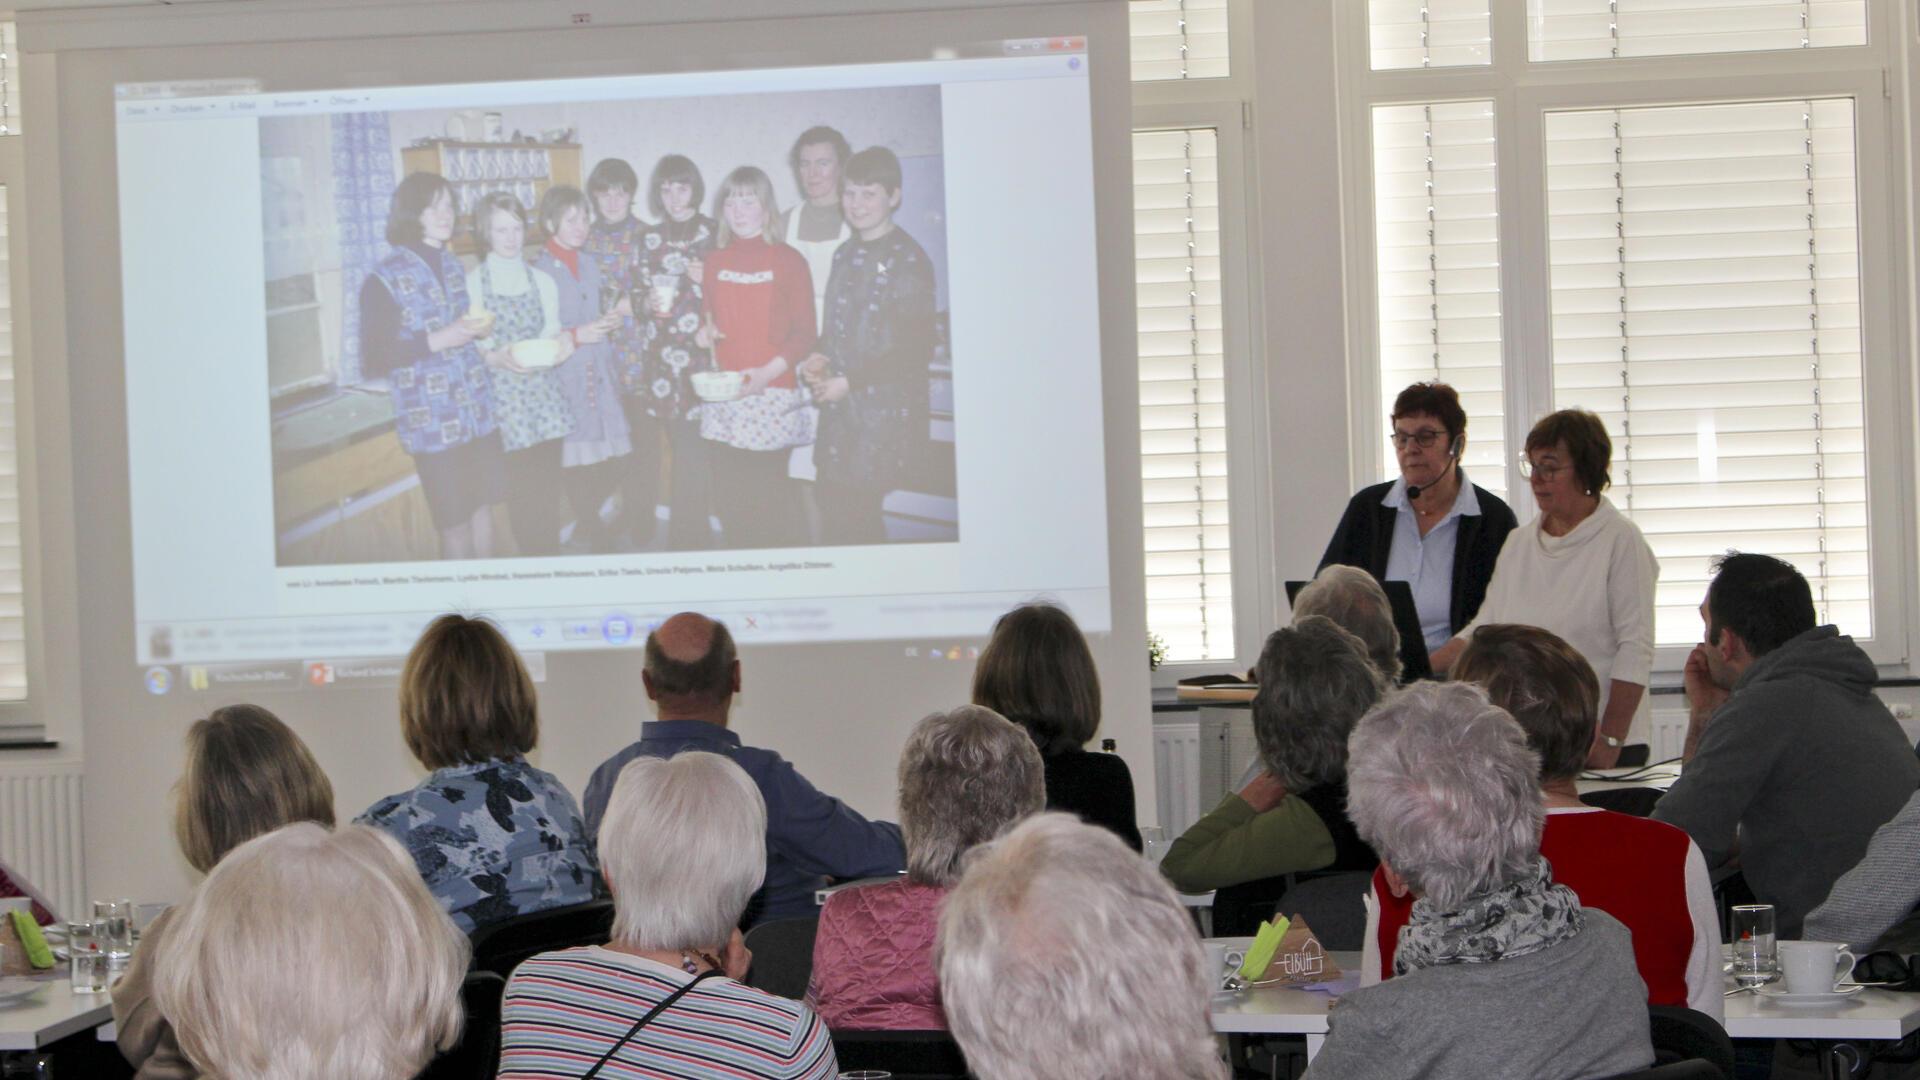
x=1546 y=472
x=1425 y=438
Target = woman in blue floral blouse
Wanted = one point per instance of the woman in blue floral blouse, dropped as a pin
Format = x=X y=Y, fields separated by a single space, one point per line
x=493 y=836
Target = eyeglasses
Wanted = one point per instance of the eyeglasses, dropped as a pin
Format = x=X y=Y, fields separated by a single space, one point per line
x=1547 y=473
x=1425 y=438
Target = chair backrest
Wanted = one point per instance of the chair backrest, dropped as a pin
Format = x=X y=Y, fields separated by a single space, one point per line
x=1637 y=801
x=783 y=955
x=478 y=1051
x=1679 y=1070
x=1334 y=907
x=1681 y=1034
x=908 y=1055
x=503 y=946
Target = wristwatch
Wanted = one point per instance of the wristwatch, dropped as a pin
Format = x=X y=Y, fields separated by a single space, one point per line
x=1611 y=741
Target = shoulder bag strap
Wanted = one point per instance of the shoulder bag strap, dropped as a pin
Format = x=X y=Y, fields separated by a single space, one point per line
x=644 y=1021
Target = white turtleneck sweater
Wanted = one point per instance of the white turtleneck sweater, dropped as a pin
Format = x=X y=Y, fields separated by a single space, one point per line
x=1593 y=587
x=511 y=277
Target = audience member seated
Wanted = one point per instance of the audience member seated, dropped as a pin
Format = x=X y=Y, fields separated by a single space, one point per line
x=1648 y=875
x=1315 y=681
x=13 y=887
x=1063 y=954
x=1431 y=528
x=683 y=844
x=247 y=774
x=1358 y=605
x=1872 y=905
x=309 y=953
x=493 y=836
x=1581 y=569
x=1038 y=672
x=1500 y=971
x=966 y=776
x=1791 y=761
x=691 y=675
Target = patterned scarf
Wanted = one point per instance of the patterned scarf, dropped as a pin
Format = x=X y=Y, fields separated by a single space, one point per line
x=1524 y=916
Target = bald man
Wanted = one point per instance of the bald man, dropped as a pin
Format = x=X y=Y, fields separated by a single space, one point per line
x=691 y=675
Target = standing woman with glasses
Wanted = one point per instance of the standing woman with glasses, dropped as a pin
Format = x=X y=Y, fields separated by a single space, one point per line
x=1431 y=528
x=1582 y=570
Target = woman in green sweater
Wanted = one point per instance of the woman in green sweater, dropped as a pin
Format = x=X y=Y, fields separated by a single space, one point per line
x=1315 y=682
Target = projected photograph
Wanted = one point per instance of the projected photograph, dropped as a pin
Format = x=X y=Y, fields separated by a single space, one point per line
x=671 y=324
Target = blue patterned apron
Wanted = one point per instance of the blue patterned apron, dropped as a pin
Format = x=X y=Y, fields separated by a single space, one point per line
x=530 y=407
x=445 y=399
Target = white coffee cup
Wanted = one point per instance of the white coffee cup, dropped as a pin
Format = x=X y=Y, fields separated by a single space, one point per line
x=1814 y=967
x=1223 y=959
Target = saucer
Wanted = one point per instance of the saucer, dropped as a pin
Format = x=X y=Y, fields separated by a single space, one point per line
x=1781 y=995
x=14 y=990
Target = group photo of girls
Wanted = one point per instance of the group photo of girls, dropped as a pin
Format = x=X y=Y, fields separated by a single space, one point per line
x=608 y=327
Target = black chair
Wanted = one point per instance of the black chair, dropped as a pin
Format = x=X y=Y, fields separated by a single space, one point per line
x=1333 y=906
x=478 y=1052
x=1679 y=1070
x=1638 y=801
x=782 y=955
x=503 y=946
x=908 y=1055
x=1681 y=1034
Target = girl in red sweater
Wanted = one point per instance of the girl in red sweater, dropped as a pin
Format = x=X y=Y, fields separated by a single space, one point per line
x=758 y=321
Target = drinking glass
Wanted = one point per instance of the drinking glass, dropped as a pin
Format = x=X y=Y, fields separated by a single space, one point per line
x=1756 y=958
x=113 y=925
x=87 y=962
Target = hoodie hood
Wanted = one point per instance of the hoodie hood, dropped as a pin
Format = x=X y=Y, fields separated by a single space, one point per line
x=1822 y=653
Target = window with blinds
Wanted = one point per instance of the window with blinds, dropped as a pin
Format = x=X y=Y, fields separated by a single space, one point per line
x=1706 y=303
x=1612 y=29
x=9 y=81
x=1437 y=265
x=13 y=630
x=1429 y=33
x=1178 y=39
x=1183 y=424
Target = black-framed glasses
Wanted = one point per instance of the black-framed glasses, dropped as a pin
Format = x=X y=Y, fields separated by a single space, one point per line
x=1425 y=438
x=1528 y=470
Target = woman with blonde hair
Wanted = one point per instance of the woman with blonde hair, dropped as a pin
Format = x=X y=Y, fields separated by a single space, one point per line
x=493 y=836
x=311 y=954
x=247 y=774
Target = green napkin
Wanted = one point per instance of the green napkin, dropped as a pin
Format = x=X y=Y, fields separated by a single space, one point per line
x=32 y=940
x=1265 y=943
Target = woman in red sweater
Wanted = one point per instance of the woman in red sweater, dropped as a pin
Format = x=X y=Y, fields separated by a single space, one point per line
x=758 y=321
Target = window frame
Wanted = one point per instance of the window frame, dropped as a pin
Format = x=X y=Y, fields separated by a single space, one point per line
x=22 y=719
x=1523 y=91
x=1225 y=105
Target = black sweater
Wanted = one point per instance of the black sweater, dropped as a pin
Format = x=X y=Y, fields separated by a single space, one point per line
x=1097 y=787
x=1364 y=538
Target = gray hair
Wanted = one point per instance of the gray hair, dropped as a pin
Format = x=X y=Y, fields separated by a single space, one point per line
x=288 y=997
x=1442 y=784
x=966 y=776
x=1063 y=953
x=1315 y=682
x=683 y=847
x=1351 y=597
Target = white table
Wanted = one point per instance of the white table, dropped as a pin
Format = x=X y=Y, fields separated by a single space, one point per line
x=1272 y=1010
x=51 y=1014
x=1659 y=777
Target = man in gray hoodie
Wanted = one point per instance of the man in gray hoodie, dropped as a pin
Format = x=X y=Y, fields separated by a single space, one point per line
x=1791 y=762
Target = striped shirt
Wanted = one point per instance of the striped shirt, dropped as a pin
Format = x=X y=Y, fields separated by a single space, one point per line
x=564 y=1009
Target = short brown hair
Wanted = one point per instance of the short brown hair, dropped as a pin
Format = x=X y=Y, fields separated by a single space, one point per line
x=1038 y=672
x=559 y=199
x=1435 y=399
x=1585 y=438
x=1545 y=683
x=505 y=202
x=247 y=774
x=705 y=681
x=465 y=697
x=411 y=198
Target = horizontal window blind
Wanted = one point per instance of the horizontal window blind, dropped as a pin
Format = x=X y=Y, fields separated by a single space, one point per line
x=1706 y=303
x=13 y=629
x=9 y=81
x=1429 y=33
x=1437 y=259
x=1183 y=423
x=1178 y=39
x=1607 y=29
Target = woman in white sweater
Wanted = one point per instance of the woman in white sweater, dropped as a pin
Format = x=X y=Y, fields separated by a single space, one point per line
x=1582 y=570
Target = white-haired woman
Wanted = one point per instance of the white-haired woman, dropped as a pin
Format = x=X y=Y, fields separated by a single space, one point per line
x=683 y=847
x=966 y=776
x=1062 y=953
x=1315 y=682
x=1359 y=605
x=309 y=954
x=1499 y=972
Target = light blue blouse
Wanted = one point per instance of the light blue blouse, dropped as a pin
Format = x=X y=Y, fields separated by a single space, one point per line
x=1426 y=563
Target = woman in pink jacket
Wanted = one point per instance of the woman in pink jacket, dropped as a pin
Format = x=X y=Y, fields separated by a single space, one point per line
x=966 y=776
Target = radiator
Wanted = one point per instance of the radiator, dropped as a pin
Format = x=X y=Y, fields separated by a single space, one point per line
x=40 y=833
x=1668 y=735
x=1176 y=770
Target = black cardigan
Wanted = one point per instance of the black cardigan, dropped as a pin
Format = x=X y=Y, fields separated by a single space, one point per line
x=1364 y=538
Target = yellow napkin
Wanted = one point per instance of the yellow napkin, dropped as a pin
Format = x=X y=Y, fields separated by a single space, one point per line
x=32 y=940
x=1265 y=943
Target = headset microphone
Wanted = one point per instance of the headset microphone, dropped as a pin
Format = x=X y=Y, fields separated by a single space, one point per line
x=1453 y=458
